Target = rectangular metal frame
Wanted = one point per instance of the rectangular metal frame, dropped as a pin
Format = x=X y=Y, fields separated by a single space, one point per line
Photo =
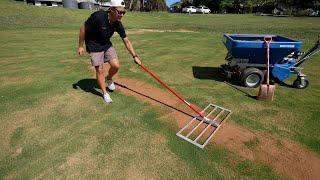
x=206 y=122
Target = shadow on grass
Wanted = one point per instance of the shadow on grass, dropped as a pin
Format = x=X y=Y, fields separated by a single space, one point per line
x=214 y=73
x=240 y=90
x=146 y=96
x=281 y=83
x=88 y=85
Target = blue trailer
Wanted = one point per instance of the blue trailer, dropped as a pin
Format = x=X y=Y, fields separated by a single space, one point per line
x=246 y=59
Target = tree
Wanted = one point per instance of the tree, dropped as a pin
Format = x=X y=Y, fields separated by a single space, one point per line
x=156 y=5
x=214 y=5
x=226 y=6
x=132 y=4
x=185 y=3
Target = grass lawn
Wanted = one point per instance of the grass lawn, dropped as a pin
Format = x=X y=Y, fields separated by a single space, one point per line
x=51 y=130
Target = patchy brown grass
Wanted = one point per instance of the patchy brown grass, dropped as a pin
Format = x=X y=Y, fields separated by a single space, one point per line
x=288 y=158
x=150 y=161
x=7 y=81
x=31 y=119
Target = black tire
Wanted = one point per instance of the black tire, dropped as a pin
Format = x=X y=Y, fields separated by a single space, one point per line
x=252 y=77
x=301 y=83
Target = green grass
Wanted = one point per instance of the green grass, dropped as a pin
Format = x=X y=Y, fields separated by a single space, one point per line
x=49 y=129
x=248 y=168
x=17 y=136
x=252 y=144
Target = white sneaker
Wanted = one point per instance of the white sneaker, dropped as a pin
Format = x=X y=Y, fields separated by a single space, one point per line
x=111 y=85
x=107 y=98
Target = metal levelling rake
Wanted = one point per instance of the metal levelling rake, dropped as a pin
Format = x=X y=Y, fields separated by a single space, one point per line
x=199 y=131
x=204 y=125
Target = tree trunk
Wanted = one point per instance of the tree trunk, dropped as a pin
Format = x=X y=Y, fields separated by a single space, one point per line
x=130 y=6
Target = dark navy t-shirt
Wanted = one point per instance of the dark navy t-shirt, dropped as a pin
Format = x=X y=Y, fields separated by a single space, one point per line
x=99 y=31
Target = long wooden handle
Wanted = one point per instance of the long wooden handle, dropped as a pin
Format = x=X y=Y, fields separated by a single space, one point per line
x=268 y=40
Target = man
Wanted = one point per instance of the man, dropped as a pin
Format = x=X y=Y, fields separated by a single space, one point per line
x=96 y=32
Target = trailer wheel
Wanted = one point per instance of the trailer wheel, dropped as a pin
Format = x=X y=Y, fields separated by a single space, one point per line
x=301 y=83
x=252 y=77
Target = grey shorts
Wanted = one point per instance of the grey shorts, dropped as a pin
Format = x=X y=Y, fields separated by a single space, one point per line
x=98 y=58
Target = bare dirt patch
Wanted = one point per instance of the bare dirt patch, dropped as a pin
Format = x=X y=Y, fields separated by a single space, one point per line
x=285 y=156
x=152 y=95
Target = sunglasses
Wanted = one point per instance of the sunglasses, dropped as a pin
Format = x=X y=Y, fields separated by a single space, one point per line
x=120 y=12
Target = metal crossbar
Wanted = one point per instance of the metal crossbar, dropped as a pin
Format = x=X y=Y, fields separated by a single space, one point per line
x=197 y=130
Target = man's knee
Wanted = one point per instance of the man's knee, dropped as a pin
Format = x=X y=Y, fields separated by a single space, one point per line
x=99 y=69
x=116 y=67
x=114 y=64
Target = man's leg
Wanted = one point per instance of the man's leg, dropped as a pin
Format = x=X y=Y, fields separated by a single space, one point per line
x=97 y=60
x=100 y=78
x=112 y=58
x=114 y=67
x=101 y=82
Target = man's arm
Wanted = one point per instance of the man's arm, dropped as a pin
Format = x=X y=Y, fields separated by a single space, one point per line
x=81 y=40
x=130 y=48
